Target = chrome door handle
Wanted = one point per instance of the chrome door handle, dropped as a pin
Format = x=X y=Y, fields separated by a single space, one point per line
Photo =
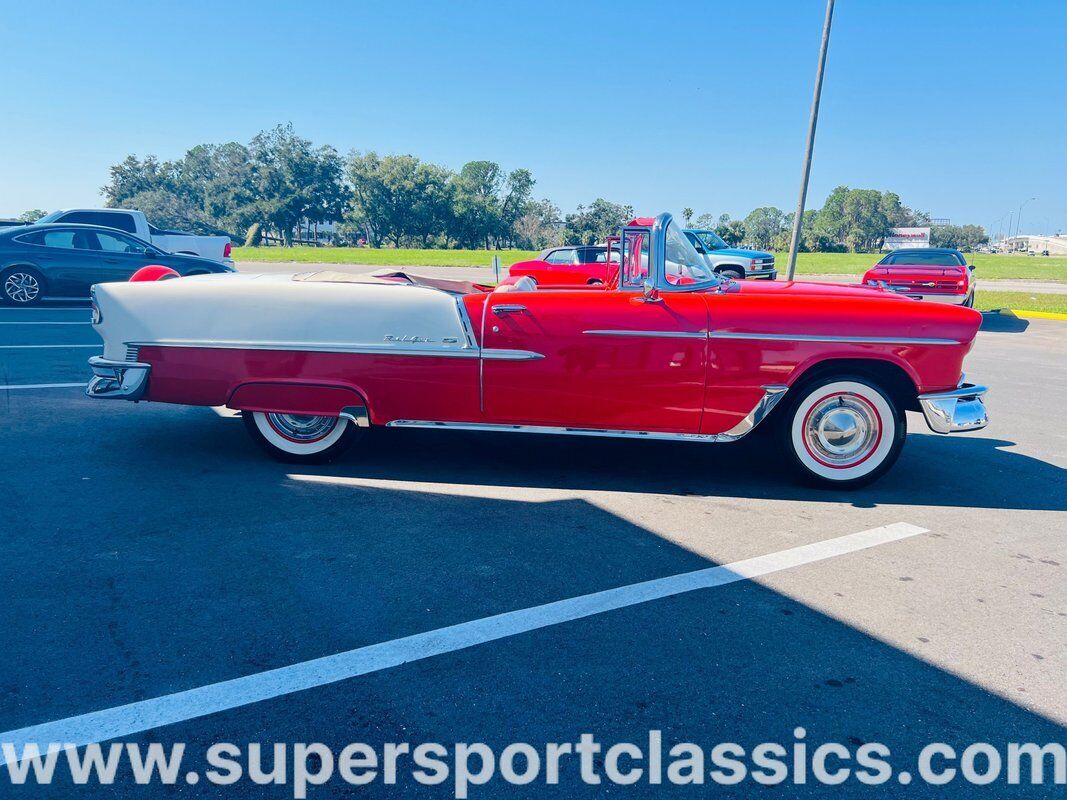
x=508 y=308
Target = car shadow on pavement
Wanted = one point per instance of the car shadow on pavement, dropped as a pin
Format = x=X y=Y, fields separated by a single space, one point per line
x=962 y=471
x=1003 y=322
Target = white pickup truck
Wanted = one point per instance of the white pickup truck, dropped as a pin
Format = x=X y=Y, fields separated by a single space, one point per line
x=217 y=248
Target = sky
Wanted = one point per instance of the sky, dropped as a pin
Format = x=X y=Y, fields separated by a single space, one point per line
x=957 y=105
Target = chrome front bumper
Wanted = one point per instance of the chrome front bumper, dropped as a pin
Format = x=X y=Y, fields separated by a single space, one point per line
x=122 y=380
x=960 y=410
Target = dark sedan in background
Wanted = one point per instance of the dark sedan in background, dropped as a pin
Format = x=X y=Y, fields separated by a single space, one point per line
x=57 y=260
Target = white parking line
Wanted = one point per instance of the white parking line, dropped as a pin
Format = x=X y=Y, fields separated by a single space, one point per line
x=40 y=386
x=55 y=322
x=46 y=346
x=144 y=715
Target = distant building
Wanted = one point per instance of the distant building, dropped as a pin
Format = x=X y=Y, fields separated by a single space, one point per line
x=1056 y=245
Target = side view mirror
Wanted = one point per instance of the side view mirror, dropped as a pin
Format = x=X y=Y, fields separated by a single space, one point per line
x=650 y=292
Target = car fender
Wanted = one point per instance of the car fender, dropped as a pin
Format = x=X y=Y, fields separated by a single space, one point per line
x=297 y=397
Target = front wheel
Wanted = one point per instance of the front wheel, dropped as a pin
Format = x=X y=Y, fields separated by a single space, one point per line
x=736 y=273
x=844 y=432
x=301 y=438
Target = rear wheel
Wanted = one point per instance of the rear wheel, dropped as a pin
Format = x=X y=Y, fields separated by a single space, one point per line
x=301 y=438
x=595 y=282
x=842 y=431
x=21 y=286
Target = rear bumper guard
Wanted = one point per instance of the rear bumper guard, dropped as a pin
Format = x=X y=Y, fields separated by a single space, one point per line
x=960 y=410
x=121 y=380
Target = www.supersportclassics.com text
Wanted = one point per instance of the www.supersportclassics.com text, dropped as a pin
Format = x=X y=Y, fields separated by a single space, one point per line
x=467 y=765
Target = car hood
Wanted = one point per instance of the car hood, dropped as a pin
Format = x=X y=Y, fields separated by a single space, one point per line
x=808 y=289
x=737 y=252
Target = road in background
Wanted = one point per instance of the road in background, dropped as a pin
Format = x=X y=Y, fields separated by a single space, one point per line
x=486 y=274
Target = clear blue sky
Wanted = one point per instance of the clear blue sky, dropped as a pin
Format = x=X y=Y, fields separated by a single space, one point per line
x=957 y=105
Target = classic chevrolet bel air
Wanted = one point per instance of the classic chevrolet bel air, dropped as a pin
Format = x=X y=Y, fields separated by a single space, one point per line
x=669 y=350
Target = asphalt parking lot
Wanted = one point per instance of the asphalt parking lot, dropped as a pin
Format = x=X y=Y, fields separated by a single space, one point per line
x=151 y=550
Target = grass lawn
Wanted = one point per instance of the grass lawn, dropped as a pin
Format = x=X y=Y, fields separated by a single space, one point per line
x=1021 y=301
x=988 y=266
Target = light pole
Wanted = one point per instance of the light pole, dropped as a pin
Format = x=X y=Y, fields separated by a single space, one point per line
x=798 y=219
x=1019 y=216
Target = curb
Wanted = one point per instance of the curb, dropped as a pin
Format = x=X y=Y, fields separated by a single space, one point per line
x=1018 y=312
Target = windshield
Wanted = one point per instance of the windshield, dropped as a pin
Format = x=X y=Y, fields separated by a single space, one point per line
x=684 y=266
x=711 y=240
x=48 y=218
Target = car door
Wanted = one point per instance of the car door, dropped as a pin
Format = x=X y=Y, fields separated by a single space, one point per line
x=120 y=255
x=66 y=259
x=595 y=359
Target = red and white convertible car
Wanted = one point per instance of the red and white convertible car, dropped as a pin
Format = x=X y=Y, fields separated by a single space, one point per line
x=669 y=351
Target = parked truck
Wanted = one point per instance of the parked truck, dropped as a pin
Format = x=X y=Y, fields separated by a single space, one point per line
x=217 y=248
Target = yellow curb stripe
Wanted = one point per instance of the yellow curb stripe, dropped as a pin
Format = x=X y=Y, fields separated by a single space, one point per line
x=1038 y=314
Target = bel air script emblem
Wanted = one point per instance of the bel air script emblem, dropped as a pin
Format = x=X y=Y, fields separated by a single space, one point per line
x=405 y=339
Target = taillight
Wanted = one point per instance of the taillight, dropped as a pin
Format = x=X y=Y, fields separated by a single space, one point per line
x=227 y=250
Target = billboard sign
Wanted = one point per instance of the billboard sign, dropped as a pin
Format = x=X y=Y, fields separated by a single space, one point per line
x=907 y=237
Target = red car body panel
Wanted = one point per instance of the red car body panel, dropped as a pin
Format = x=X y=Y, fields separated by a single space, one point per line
x=673 y=377
x=565 y=274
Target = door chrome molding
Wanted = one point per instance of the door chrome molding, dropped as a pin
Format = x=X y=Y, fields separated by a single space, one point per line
x=773 y=337
x=355 y=349
x=803 y=337
x=771 y=396
x=651 y=334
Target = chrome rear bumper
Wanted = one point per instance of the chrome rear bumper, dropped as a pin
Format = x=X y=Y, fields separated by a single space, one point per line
x=122 y=380
x=960 y=410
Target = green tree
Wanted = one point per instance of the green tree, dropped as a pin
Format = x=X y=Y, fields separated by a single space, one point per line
x=763 y=225
x=539 y=226
x=687 y=215
x=294 y=181
x=595 y=223
x=962 y=237
x=31 y=216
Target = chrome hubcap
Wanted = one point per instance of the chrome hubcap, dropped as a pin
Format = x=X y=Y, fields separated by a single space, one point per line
x=21 y=287
x=842 y=430
x=301 y=427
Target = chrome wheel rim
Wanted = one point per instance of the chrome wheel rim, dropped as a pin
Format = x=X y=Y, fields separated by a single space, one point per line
x=842 y=430
x=301 y=427
x=22 y=287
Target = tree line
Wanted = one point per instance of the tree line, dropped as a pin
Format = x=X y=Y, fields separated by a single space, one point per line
x=280 y=186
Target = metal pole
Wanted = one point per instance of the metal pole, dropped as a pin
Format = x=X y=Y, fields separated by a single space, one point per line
x=798 y=220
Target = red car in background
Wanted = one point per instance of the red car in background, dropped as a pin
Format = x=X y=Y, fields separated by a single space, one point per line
x=572 y=265
x=939 y=274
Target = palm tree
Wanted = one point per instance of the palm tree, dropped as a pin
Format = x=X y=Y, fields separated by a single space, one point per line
x=687 y=214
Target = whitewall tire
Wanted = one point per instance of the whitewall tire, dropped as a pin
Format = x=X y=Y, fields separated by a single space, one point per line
x=843 y=431
x=301 y=438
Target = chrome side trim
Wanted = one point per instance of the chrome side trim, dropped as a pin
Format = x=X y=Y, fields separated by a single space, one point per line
x=468 y=328
x=547 y=429
x=651 y=334
x=357 y=415
x=772 y=337
x=771 y=396
x=119 y=380
x=801 y=337
x=491 y=354
x=338 y=347
x=956 y=411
